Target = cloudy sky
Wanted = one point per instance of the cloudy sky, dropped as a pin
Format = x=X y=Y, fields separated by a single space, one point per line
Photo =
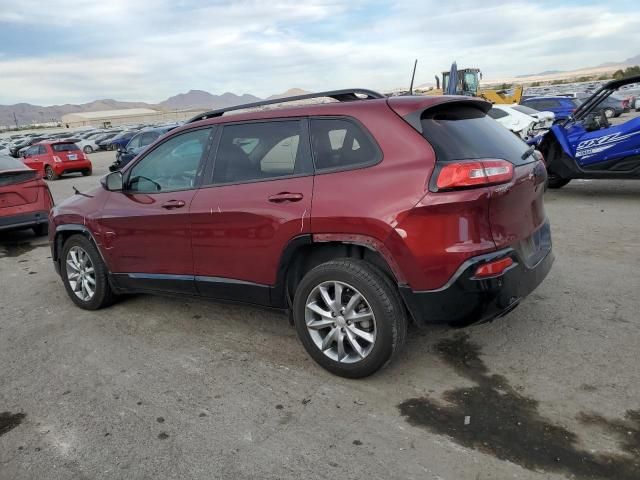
x=73 y=51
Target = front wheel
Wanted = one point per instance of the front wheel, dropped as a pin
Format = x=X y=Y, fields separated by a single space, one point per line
x=349 y=317
x=84 y=274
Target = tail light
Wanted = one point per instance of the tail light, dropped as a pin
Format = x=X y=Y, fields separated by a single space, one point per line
x=468 y=174
x=56 y=159
x=492 y=269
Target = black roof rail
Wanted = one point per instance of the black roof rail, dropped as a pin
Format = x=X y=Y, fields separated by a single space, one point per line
x=345 y=95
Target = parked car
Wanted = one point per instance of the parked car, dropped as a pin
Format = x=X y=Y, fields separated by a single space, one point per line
x=561 y=107
x=587 y=146
x=14 y=148
x=121 y=140
x=358 y=215
x=88 y=143
x=25 y=199
x=58 y=157
x=614 y=106
x=519 y=123
x=137 y=144
x=545 y=119
x=104 y=143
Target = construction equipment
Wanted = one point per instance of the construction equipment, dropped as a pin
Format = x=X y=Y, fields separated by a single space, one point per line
x=468 y=83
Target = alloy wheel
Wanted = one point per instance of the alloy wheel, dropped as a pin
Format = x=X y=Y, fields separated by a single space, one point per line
x=340 y=321
x=81 y=273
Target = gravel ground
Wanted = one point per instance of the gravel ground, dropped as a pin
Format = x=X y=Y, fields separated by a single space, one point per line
x=170 y=388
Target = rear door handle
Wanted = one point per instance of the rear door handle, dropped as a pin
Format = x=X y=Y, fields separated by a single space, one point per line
x=286 y=197
x=171 y=204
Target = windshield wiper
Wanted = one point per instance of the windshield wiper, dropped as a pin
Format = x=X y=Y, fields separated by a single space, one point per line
x=529 y=151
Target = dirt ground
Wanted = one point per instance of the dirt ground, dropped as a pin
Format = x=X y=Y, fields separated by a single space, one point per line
x=159 y=387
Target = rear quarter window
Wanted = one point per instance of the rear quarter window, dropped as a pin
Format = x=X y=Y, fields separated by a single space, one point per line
x=463 y=132
x=340 y=143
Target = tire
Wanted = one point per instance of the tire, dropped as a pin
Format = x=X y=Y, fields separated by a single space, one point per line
x=87 y=149
x=381 y=316
x=86 y=173
x=554 y=181
x=41 y=229
x=609 y=112
x=50 y=174
x=102 y=295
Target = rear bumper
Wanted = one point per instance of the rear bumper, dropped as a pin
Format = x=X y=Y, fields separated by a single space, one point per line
x=71 y=166
x=24 y=220
x=465 y=299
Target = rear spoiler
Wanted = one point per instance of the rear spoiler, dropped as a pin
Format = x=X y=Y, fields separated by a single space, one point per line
x=411 y=108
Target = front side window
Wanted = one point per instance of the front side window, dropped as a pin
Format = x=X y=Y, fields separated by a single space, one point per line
x=339 y=143
x=260 y=151
x=173 y=165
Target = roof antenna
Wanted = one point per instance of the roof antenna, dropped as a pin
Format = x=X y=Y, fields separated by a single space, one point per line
x=413 y=76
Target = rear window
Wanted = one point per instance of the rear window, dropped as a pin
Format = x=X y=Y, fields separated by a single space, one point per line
x=64 y=147
x=462 y=132
x=523 y=109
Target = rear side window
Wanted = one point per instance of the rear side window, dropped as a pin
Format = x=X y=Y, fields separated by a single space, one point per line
x=261 y=151
x=64 y=147
x=462 y=132
x=340 y=143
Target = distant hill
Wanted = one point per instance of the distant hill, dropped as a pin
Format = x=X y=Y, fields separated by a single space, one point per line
x=202 y=99
x=292 y=92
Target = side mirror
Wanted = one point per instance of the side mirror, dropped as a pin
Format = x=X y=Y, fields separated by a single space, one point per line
x=112 y=182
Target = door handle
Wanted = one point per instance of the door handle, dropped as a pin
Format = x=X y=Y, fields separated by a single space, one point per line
x=171 y=204
x=286 y=197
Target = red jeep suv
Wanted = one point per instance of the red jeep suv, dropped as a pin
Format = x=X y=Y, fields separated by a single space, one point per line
x=357 y=215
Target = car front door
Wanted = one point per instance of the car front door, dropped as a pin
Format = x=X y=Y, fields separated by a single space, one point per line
x=258 y=201
x=145 y=228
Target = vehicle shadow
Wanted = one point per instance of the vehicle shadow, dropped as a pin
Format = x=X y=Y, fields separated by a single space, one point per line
x=610 y=189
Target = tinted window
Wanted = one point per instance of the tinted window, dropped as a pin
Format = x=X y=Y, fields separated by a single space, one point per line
x=173 y=165
x=41 y=150
x=257 y=151
x=523 y=109
x=462 y=132
x=148 y=138
x=64 y=147
x=339 y=143
x=496 y=113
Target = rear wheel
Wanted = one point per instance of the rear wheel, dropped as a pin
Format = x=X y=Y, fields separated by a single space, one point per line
x=609 y=112
x=349 y=317
x=555 y=181
x=87 y=149
x=84 y=274
x=50 y=174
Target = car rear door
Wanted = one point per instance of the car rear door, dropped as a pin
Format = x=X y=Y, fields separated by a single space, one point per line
x=145 y=228
x=257 y=201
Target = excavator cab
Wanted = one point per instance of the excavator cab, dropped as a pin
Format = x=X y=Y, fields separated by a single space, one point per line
x=468 y=81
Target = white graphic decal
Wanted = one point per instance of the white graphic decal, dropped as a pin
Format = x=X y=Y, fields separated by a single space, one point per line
x=600 y=144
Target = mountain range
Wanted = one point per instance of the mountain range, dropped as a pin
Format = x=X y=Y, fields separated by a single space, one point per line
x=193 y=99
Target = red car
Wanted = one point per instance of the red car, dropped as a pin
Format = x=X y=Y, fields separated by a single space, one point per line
x=25 y=199
x=358 y=216
x=57 y=157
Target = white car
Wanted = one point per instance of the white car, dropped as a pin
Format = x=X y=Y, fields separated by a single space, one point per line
x=545 y=119
x=522 y=124
x=88 y=143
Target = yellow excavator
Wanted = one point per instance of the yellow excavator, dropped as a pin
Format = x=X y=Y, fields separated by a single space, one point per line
x=468 y=83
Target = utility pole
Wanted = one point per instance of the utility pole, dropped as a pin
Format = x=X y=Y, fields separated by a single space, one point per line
x=15 y=119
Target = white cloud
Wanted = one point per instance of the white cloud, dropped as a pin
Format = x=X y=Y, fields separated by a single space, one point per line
x=148 y=50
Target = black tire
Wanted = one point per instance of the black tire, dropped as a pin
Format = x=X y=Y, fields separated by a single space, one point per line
x=103 y=295
x=385 y=303
x=554 y=181
x=41 y=229
x=50 y=174
x=87 y=149
x=86 y=173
